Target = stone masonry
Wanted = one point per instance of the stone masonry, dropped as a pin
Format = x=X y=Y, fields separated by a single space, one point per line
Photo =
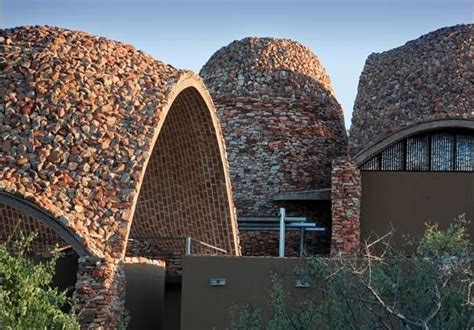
x=429 y=78
x=81 y=118
x=281 y=121
x=345 y=198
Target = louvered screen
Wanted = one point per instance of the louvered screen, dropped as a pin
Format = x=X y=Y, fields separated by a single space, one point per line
x=442 y=151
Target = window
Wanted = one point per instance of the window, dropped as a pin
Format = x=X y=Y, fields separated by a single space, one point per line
x=437 y=151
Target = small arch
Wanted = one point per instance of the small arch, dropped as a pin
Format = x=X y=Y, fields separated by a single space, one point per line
x=366 y=154
x=45 y=217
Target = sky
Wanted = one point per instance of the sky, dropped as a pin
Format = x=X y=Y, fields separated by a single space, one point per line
x=185 y=33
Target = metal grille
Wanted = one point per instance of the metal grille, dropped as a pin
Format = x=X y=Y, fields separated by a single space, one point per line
x=392 y=158
x=418 y=153
x=464 y=160
x=440 y=151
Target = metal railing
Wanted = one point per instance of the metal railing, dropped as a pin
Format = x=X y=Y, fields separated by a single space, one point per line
x=187 y=243
x=282 y=224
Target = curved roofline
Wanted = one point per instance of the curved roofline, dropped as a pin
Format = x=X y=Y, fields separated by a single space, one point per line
x=187 y=80
x=44 y=216
x=362 y=156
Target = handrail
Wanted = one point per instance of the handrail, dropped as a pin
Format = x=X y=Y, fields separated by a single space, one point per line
x=209 y=245
x=187 y=242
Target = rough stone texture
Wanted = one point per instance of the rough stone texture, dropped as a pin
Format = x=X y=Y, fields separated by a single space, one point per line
x=80 y=115
x=142 y=260
x=281 y=121
x=345 y=197
x=81 y=118
x=255 y=243
x=100 y=292
x=428 y=78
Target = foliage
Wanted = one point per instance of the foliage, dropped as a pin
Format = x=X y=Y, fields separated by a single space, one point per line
x=124 y=320
x=245 y=317
x=385 y=288
x=27 y=300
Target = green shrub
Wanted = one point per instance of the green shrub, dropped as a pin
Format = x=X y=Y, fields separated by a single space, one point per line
x=385 y=288
x=27 y=300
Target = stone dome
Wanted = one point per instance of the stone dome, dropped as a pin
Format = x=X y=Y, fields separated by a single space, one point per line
x=427 y=79
x=281 y=121
x=265 y=66
x=81 y=120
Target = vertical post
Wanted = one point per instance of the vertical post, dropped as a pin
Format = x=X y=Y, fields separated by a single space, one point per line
x=188 y=246
x=301 y=242
x=282 y=232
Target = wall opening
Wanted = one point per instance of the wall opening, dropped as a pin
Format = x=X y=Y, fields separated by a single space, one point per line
x=15 y=224
x=184 y=191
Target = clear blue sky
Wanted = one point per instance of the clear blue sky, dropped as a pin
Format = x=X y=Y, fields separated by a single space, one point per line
x=185 y=33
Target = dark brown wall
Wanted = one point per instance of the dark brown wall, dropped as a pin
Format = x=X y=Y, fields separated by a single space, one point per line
x=249 y=281
x=408 y=200
x=145 y=295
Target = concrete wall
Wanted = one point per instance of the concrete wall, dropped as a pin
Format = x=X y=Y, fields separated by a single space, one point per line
x=248 y=281
x=145 y=295
x=408 y=200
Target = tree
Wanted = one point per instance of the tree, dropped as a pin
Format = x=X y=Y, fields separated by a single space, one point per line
x=383 y=287
x=27 y=300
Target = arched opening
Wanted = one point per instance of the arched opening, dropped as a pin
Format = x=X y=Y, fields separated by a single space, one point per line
x=19 y=218
x=184 y=204
x=184 y=191
x=426 y=176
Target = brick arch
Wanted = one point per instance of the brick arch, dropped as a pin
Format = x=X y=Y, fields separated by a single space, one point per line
x=20 y=215
x=185 y=189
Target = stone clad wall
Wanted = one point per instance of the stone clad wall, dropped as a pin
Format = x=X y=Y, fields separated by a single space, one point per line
x=74 y=132
x=345 y=196
x=281 y=121
x=257 y=243
x=80 y=117
x=427 y=79
x=100 y=292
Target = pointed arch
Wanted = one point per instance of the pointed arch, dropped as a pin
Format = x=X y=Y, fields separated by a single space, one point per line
x=185 y=188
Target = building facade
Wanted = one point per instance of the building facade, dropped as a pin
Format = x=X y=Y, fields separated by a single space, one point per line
x=412 y=134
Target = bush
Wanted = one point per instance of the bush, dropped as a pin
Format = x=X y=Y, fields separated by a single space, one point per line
x=384 y=287
x=27 y=300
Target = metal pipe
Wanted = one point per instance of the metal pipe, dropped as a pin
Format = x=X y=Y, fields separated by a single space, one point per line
x=301 y=242
x=210 y=246
x=278 y=229
x=188 y=246
x=271 y=219
x=282 y=232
